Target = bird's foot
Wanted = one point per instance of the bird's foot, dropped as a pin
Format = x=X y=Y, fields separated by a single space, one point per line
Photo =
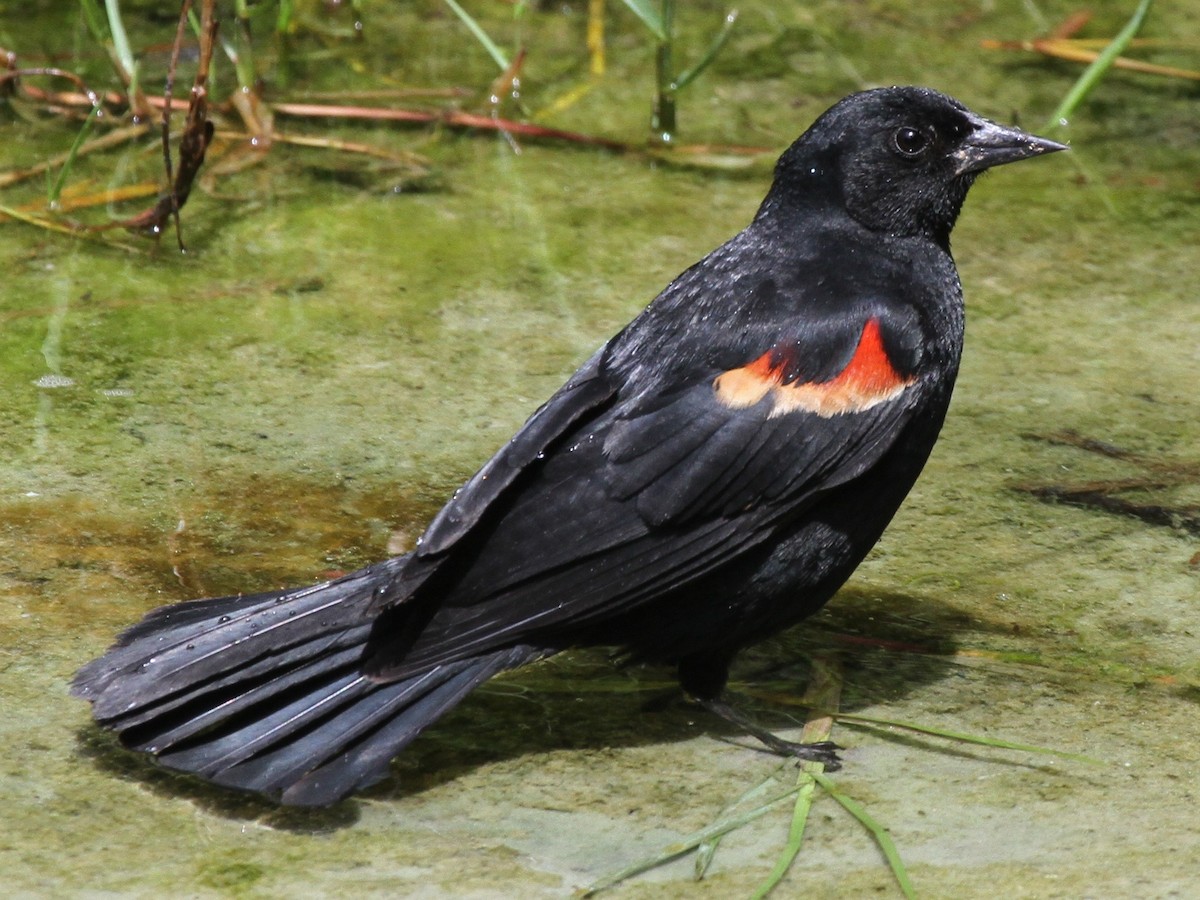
x=824 y=752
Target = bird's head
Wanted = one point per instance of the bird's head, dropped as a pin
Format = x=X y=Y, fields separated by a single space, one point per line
x=899 y=160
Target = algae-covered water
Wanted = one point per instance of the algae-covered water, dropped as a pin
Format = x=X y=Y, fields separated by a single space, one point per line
x=344 y=343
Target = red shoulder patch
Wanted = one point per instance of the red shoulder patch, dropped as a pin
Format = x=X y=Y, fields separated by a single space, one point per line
x=867 y=380
x=745 y=386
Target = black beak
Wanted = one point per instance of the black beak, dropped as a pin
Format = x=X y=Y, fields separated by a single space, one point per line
x=994 y=145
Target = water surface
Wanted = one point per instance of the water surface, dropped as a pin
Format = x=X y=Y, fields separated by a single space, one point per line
x=337 y=351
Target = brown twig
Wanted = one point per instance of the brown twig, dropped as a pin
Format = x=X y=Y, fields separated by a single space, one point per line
x=87 y=96
x=257 y=117
x=451 y=118
x=9 y=82
x=1062 y=44
x=196 y=136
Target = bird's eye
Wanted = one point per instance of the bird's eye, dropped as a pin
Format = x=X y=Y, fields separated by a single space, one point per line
x=910 y=141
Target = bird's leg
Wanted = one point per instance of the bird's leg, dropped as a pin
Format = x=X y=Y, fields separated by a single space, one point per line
x=823 y=751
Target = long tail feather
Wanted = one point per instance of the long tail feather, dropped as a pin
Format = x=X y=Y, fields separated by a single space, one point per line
x=266 y=693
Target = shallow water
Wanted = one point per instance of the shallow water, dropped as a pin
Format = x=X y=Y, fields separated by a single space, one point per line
x=299 y=392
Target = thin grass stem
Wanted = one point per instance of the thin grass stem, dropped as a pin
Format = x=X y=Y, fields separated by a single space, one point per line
x=54 y=189
x=493 y=49
x=1095 y=72
x=878 y=832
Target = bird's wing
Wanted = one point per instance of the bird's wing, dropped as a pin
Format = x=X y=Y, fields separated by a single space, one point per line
x=586 y=390
x=656 y=490
x=813 y=409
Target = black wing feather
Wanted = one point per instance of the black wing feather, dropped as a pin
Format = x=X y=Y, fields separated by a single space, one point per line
x=620 y=515
x=585 y=391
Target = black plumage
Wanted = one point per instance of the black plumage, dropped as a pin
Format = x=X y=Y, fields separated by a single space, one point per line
x=711 y=475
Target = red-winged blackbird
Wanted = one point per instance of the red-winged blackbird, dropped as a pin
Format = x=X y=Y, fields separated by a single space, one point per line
x=710 y=476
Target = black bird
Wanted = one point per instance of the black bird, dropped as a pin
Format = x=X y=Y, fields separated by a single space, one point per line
x=711 y=475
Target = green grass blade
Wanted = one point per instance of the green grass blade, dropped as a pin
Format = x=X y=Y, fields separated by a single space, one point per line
x=283 y=18
x=704 y=857
x=1092 y=74
x=119 y=38
x=650 y=17
x=967 y=738
x=882 y=838
x=705 y=851
x=94 y=20
x=54 y=189
x=804 y=794
x=824 y=692
x=691 y=842
x=710 y=54
x=480 y=35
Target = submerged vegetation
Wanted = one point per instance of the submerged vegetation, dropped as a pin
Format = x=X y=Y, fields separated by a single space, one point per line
x=271 y=50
